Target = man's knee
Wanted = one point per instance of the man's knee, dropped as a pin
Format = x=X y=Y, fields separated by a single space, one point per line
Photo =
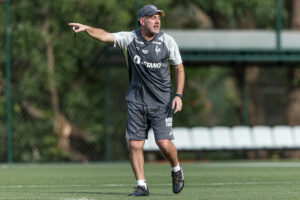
x=164 y=144
x=136 y=145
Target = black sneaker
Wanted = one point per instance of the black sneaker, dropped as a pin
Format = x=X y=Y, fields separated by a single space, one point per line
x=177 y=181
x=140 y=191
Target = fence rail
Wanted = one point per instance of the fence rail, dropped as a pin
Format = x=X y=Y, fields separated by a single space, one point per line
x=232 y=138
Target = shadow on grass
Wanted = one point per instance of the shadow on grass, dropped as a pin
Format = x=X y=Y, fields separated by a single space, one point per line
x=87 y=193
x=99 y=193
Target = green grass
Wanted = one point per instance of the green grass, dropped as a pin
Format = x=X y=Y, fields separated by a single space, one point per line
x=207 y=181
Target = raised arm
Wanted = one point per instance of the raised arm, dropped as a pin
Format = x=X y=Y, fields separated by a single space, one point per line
x=180 y=77
x=97 y=33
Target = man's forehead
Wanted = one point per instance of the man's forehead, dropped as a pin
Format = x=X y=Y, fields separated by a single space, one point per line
x=155 y=15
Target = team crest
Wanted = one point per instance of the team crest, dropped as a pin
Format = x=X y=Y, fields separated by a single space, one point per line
x=157 y=50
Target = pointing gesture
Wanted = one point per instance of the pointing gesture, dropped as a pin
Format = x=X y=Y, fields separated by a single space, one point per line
x=76 y=27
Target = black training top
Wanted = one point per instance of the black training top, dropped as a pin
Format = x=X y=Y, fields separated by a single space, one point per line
x=148 y=62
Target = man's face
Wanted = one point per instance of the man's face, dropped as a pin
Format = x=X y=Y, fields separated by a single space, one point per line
x=152 y=24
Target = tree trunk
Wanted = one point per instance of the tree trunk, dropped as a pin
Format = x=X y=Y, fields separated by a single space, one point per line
x=293 y=109
x=194 y=17
x=62 y=126
x=252 y=73
x=255 y=111
x=295 y=14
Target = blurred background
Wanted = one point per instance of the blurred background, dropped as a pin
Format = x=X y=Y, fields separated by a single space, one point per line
x=62 y=96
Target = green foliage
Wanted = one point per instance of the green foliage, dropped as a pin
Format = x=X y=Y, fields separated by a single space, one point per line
x=230 y=14
x=83 y=84
x=209 y=99
x=80 y=86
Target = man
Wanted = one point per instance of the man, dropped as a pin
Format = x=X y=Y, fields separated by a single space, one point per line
x=148 y=53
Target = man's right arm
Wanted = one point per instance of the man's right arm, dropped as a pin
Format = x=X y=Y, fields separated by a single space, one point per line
x=97 y=33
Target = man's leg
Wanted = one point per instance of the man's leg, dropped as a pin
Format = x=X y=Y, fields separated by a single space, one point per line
x=170 y=152
x=137 y=158
x=137 y=164
x=136 y=133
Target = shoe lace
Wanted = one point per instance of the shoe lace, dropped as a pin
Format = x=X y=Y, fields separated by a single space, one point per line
x=177 y=177
x=138 y=188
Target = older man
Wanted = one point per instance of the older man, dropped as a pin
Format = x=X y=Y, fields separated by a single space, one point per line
x=148 y=53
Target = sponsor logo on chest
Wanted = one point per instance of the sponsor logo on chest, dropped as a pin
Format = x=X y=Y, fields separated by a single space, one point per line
x=137 y=60
x=152 y=65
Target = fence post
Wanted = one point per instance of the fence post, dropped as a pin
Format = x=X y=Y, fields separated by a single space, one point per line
x=137 y=8
x=8 y=82
x=245 y=97
x=278 y=26
x=107 y=107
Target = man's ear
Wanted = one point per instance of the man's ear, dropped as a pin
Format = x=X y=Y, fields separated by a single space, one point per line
x=142 y=21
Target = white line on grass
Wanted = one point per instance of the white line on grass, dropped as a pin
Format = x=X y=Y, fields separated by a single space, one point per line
x=251 y=164
x=129 y=185
x=80 y=198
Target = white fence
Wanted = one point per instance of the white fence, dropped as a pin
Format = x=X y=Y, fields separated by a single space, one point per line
x=232 y=138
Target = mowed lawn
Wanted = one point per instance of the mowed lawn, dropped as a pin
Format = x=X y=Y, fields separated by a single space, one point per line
x=207 y=181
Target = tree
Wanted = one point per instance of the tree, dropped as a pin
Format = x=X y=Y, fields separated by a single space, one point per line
x=293 y=108
x=46 y=77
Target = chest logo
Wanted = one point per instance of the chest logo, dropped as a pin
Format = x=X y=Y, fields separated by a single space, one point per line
x=137 y=59
x=145 y=51
x=152 y=65
x=155 y=42
x=157 y=50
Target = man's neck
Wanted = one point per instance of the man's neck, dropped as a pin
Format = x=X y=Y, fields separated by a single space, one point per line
x=147 y=36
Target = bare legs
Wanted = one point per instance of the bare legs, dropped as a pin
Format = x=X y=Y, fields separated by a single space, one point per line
x=169 y=150
x=137 y=157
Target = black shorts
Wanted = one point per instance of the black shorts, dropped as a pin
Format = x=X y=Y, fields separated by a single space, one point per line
x=141 y=117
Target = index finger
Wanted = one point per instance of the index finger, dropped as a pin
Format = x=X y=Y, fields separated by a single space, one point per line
x=73 y=24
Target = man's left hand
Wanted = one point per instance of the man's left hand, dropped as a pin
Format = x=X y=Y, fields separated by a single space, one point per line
x=176 y=104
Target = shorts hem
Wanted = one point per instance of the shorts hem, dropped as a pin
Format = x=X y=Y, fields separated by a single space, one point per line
x=131 y=138
x=164 y=138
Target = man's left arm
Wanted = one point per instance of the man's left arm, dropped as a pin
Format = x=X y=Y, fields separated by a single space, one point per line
x=180 y=76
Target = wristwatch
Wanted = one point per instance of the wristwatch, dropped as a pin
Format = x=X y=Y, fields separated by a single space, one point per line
x=180 y=95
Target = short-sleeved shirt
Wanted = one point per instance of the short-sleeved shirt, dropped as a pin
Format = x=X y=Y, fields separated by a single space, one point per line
x=148 y=63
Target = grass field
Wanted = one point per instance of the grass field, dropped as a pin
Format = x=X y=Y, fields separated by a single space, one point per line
x=207 y=181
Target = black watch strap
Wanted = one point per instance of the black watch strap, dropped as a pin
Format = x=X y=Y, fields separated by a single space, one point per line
x=180 y=95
